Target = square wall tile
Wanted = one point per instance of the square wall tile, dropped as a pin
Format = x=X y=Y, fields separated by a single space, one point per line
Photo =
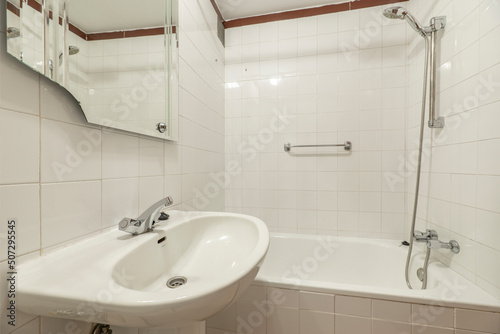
x=151 y=157
x=432 y=315
x=352 y=325
x=353 y=306
x=389 y=310
x=316 y=322
x=120 y=155
x=20 y=202
x=252 y=317
x=69 y=211
x=283 y=297
x=19 y=133
x=284 y=320
x=120 y=199
x=69 y=152
x=387 y=327
x=320 y=302
x=485 y=256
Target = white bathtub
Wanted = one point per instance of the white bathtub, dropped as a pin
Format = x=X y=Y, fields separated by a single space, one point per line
x=365 y=268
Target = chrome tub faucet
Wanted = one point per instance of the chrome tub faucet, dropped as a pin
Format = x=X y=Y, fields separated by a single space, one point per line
x=430 y=237
x=146 y=221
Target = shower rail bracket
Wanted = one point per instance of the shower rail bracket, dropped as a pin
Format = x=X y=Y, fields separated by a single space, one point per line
x=438 y=23
x=436 y=123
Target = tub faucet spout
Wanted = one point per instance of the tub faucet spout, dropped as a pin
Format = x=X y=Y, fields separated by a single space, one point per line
x=145 y=222
x=452 y=245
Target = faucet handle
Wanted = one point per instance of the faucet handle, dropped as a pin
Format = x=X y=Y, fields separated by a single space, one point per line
x=163 y=216
x=432 y=234
x=129 y=225
x=425 y=236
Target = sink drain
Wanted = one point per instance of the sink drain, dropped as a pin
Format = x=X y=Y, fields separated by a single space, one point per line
x=176 y=282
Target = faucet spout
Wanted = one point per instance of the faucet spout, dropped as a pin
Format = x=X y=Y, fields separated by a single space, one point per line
x=451 y=245
x=145 y=222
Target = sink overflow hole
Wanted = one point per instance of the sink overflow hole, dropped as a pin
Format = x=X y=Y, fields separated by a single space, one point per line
x=176 y=282
x=162 y=240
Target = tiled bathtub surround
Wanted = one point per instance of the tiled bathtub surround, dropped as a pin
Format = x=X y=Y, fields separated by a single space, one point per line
x=107 y=174
x=332 y=78
x=269 y=310
x=300 y=67
x=460 y=195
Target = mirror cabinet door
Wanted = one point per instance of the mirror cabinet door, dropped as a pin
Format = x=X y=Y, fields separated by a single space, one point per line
x=118 y=58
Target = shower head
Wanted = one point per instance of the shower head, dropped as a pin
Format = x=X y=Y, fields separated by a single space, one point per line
x=403 y=14
x=73 y=50
x=13 y=32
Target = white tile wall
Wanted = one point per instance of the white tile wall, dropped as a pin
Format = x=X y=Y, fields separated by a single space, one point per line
x=336 y=77
x=329 y=76
x=64 y=180
x=342 y=81
x=461 y=191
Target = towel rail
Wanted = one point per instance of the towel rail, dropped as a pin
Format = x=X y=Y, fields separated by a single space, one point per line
x=347 y=146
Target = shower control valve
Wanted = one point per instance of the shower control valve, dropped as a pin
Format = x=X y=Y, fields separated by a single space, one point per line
x=425 y=236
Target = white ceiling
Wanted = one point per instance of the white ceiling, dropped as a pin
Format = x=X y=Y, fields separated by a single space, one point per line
x=113 y=15
x=235 y=9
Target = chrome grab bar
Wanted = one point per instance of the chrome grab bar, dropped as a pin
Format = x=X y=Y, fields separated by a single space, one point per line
x=347 y=146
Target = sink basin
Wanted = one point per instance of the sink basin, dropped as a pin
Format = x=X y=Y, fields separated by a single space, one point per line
x=186 y=270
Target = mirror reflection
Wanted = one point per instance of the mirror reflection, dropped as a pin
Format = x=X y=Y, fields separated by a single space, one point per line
x=118 y=58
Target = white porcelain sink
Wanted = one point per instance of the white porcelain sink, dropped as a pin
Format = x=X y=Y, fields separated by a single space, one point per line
x=120 y=279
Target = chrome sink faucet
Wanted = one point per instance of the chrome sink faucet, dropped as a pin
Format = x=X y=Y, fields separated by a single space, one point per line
x=145 y=222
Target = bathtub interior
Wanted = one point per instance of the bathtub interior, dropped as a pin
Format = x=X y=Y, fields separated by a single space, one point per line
x=364 y=262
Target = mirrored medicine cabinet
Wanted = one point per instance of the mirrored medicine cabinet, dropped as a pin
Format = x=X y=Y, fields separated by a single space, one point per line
x=118 y=58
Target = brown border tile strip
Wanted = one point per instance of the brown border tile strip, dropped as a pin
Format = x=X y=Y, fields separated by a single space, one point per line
x=77 y=31
x=359 y=4
x=127 y=34
x=144 y=32
x=13 y=9
x=105 y=35
x=295 y=14
x=37 y=6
